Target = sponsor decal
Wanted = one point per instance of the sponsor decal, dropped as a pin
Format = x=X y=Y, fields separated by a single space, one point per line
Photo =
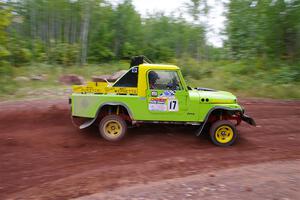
x=168 y=94
x=154 y=93
x=134 y=70
x=164 y=104
x=158 y=104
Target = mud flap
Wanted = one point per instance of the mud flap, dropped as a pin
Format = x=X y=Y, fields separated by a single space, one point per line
x=200 y=129
x=87 y=124
x=83 y=125
x=248 y=119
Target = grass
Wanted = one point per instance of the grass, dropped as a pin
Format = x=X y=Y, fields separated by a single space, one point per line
x=11 y=89
x=245 y=79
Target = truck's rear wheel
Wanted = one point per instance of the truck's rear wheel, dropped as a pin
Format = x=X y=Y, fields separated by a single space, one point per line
x=223 y=133
x=112 y=127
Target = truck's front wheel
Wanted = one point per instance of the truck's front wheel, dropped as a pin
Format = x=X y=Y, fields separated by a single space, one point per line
x=112 y=128
x=223 y=133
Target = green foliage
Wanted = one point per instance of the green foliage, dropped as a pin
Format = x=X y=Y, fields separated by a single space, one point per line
x=19 y=52
x=5 y=20
x=53 y=32
x=280 y=82
x=245 y=79
x=167 y=37
x=7 y=85
x=267 y=29
x=5 y=16
x=4 y=53
x=127 y=26
x=64 y=53
x=21 y=55
x=260 y=57
x=39 y=51
x=41 y=31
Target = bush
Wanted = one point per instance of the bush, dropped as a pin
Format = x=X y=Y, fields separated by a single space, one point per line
x=100 y=54
x=20 y=52
x=21 y=56
x=64 y=54
x=4 y=53
x=7 y=84
x=39 y=51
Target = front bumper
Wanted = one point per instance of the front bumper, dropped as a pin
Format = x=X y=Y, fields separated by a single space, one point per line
x=248 y=119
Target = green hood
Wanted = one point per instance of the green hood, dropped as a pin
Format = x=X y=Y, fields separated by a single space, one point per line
x=215 y=97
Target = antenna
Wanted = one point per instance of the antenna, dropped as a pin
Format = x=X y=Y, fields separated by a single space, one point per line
x=108 y=83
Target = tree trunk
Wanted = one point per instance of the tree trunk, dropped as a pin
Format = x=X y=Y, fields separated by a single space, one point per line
x=84 y=33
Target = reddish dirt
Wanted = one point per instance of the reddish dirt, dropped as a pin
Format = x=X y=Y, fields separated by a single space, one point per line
x=272 y=180
x=42 y=156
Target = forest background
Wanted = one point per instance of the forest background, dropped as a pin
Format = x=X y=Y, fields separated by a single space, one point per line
x=260 y=55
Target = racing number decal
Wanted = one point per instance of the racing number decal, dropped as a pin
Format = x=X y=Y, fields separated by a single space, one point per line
x=173 y=105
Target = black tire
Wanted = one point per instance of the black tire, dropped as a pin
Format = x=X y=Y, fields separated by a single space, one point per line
x=112 y=128
x=223 y=133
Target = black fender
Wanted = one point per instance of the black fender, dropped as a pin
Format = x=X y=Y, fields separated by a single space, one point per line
x=244 y=117
x=92 y=120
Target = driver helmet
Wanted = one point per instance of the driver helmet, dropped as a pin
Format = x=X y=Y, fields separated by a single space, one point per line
x=153 y=76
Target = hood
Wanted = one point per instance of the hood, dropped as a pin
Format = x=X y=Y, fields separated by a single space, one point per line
x=207 y=95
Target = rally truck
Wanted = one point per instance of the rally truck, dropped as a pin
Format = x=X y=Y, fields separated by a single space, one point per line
x=156 y=93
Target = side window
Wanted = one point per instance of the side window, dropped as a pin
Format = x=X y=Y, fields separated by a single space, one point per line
x=130 y=79
x=164 y=80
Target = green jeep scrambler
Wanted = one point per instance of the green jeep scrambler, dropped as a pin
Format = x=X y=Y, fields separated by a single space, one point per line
x=156 y=93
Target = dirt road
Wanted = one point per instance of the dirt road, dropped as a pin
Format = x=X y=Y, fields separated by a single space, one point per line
x=278 y=180
x=42 y=156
